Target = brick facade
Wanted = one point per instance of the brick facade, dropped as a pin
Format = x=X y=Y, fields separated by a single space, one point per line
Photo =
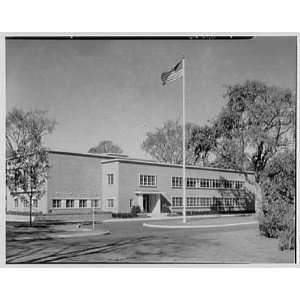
x=112 y=183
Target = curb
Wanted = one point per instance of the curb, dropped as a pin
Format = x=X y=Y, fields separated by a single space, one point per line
x=197 y=226
x=175 y=218
x=70 y=235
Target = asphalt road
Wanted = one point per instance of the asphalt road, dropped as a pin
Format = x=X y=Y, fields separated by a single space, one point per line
x=130 y=242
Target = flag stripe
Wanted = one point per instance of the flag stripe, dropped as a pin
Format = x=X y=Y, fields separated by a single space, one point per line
x=173 y=74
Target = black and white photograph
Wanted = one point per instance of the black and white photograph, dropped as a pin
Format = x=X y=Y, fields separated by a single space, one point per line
x=150 y=149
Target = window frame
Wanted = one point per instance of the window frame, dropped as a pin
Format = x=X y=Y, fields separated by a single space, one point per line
x=34 y=203
x=110 y=178
x=56 y=201
x=82 y=201
x=177 y=200
x=70 y=201
x=93 y=201
x=145 y=183
x=108 y=201
x=176 y=182
x=16 y=201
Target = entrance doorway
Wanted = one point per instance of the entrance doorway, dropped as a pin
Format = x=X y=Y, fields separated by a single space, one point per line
x=146 y=203
x=149 y=202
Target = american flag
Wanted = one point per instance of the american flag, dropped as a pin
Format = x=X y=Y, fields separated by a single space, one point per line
x=174 y=74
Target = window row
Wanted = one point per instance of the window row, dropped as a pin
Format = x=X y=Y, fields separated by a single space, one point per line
x=148 y=180
x=23 y=201
x=197 y=183
x=81 y=203
x=71 y=203
x=208 y=202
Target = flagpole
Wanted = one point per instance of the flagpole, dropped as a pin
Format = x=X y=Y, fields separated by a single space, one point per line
x=183 y=143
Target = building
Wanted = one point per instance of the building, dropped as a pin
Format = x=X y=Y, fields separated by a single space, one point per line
x=115 y=183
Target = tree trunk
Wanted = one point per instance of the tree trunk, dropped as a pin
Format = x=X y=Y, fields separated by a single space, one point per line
x=30 y=210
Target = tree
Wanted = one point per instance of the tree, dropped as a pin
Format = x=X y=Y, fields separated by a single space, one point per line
x=257 y=122
x=277 y=218
x=165 y=143
x=27 y=161
x=203 y=143
x=106 y=147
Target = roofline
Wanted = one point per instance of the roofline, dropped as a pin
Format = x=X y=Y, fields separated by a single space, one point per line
x=94 y=155
x=115 y=158
x=145 y=162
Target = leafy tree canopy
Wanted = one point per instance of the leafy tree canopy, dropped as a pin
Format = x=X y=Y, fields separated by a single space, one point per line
x=277 y=218
x=203 y=142
x=257 y=122
x=25 y=130
x=165 y=143
x=106 y=146
x=279 y=178
x=27 y=162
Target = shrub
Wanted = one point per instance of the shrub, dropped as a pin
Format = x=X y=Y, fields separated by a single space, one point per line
x=135 y=210
x=287 y=239
x=277 y=219
x=123 y=215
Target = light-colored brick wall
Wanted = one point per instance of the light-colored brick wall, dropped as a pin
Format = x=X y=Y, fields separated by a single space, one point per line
x=129 y=182
x=111 y=191
x=73 y=177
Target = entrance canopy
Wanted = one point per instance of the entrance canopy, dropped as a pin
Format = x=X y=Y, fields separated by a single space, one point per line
x=151 y=202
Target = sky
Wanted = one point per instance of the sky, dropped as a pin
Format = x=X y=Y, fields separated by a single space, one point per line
x=111 y=89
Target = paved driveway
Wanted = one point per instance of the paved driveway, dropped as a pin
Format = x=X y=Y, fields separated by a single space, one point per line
x=131 y=242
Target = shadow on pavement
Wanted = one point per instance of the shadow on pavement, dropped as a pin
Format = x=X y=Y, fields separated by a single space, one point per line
x=63 y=254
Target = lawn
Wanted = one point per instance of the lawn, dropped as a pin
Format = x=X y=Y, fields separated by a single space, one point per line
x=131 y=242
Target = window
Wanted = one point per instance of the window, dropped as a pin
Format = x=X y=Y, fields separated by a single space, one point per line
x=239 y=185
x=82 y=203
x=95 y=203
x=204 y=182
x=110 y=203
x=56 y=203
x=176 y=182
x=227 y=184
x=16 y=202
x=34 y=203
x=110 y=178
x=213 y=183
x=218 y=183
x=191 y=182
x=70 y=203
x=148 y=180
x=176 y=201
